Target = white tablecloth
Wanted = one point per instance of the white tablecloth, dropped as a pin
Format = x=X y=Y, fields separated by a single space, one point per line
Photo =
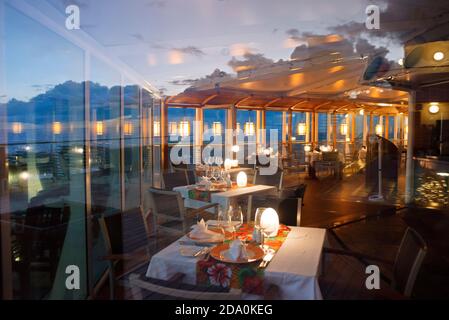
x=223 y=198
x=294 y=269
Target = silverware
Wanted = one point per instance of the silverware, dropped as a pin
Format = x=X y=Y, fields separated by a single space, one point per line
x=196 y=244
x=201 y=252
x=266 y=260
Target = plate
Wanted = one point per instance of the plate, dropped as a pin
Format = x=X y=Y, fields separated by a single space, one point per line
x=228 y=235
x=221 y=253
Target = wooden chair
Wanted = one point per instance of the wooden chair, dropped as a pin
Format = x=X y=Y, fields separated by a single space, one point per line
x=406 y=266
x=126 y=235
x=175 y=289
x=171 y=180
x=169 y=206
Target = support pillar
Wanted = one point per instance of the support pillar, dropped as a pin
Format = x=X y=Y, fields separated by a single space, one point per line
x=409 y=169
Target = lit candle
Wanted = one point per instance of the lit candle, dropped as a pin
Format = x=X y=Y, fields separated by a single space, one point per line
x=269 y=222
x=242 y=179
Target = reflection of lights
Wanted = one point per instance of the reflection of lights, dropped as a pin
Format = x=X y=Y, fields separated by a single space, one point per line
x=307 y=148
x=301 y=129
x=344 y=129
x=184 y=128
x=293 y=138
x=438 y=56
x=216 y=128
x=24 y=175
x=128 y=128
x=250 y=128
x=362 y=112
x=434 y=107
x=78 y=150
x=401 y=61
x=235 y=148
x=157 y=128
x=57 y=127
x=379 y=129
x=443 y=174
x=176 y=57
x=99 y=127
x=17 y=128
x=27 y=148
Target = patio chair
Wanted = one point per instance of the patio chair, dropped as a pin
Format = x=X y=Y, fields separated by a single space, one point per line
x=175 y=289
x=406 y=266
x=170 y=214
x=126 y=236
x=171 y=180
x=290 y=208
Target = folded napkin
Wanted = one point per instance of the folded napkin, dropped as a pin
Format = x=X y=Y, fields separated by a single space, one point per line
x=201 y=232
x=237 y=250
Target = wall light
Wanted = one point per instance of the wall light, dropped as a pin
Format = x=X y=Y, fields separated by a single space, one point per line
x=344 y=129
x=301 y=129
x=157 y=128
x=250 y=128
x=172 y=128
x=184 y=128
x=216 y=128
x=379 y=129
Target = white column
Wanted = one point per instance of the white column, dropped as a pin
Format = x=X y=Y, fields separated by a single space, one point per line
x=409 y=171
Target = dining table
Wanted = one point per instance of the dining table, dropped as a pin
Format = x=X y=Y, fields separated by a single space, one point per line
x=225 y=198
x=294 y=269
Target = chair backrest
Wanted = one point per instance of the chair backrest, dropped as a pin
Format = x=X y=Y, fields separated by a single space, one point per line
x=274 y=180
x=408 y=262
x=174 y=179
x=330 y=156
x=290 y=208
x=180 y=291
x=191 y=176
x=125 y=232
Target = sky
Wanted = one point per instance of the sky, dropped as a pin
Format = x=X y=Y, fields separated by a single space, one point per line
x=170 y=43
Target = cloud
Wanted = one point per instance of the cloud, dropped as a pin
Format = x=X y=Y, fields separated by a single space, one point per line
x=191 y=50
x=403 y=21
x=216 y=74
x=250 y=61
x=157 y=4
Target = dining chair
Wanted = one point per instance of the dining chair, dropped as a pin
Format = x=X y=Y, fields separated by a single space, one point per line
x=174 y=179
x=175 y=289
x=127 y=238
x=171 y=215
x=406 y=266
x=290 y=208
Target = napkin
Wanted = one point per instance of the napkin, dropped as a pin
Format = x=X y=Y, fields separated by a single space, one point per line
x=237 y=250
x=201 y=232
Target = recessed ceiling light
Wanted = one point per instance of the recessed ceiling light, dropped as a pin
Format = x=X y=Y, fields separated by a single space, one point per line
x=434 y=107
x=438 y=56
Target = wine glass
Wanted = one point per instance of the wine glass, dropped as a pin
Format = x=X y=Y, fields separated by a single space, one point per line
x=259 y=227
x=235 y=218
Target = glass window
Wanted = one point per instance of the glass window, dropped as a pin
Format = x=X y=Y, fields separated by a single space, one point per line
x=131 y=134
x=322 y=127
x=45 y=155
